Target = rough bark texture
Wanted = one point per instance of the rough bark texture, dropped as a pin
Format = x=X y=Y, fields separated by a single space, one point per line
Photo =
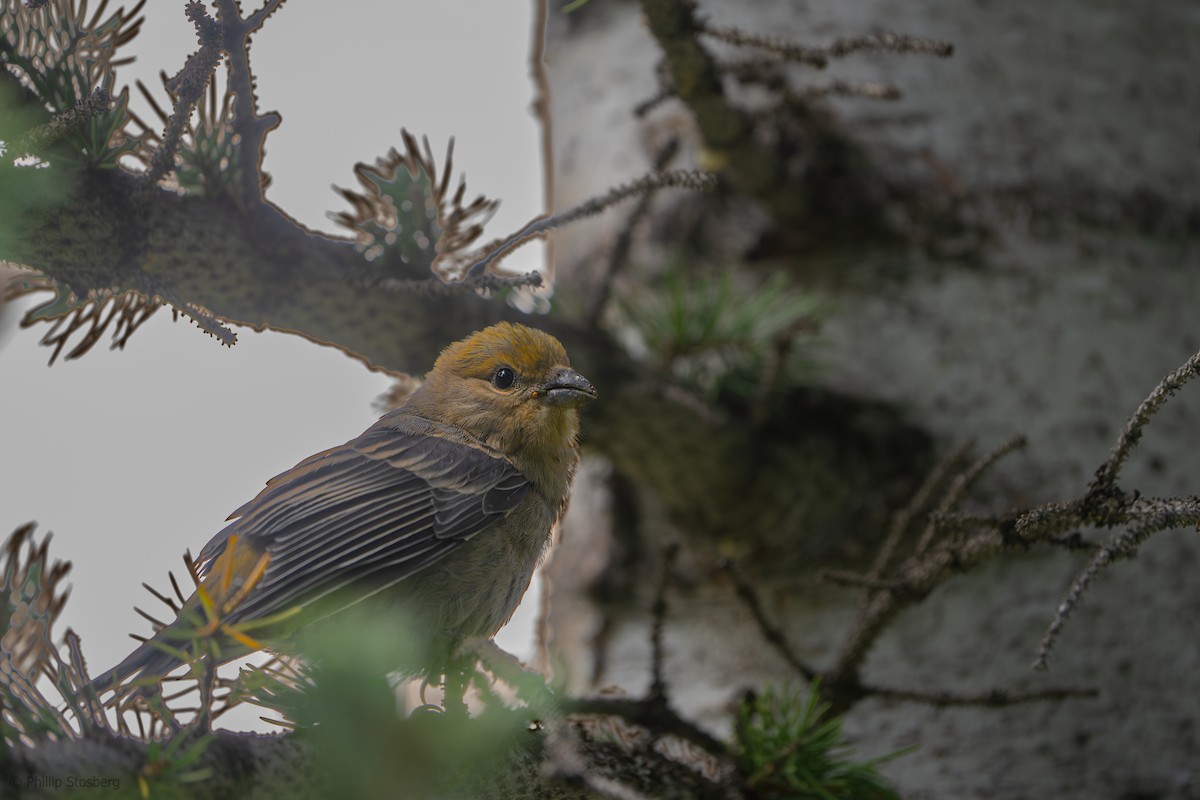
x=1063 y=137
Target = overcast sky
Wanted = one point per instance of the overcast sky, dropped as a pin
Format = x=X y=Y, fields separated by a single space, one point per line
x=132 y=457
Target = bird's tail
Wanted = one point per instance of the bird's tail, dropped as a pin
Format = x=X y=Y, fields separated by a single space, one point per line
x=176 y=643
x=154 y=658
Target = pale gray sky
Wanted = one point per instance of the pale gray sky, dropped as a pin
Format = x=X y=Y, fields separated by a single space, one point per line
x=132 y=457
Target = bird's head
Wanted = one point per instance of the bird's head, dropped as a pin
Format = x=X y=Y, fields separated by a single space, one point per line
x=509 y=386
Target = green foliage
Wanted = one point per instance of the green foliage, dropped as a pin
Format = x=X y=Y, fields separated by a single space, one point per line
x=171 y=765
x=713 y=333
x=63 y=57
x=790 y=747
x=406 y=218
x=345 y=706
x=56 y=72
x=31 y=598
x=26 y=188
x=206 y=162
x=102 y=140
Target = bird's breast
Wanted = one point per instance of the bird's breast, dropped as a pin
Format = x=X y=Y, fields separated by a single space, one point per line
x=475 y=590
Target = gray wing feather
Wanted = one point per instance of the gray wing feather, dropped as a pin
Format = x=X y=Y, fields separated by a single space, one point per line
x=368 y=514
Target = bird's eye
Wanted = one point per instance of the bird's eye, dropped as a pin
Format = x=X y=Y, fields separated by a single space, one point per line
x=504 y=378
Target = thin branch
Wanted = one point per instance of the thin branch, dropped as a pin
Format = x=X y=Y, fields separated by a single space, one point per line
x=1169 y=514
x=168 y=601
x=820 y=56
x=204 y=319
x=255 y=20
x=541 y=112
x=187 y=87
x=1106 y=476
x=766 y=72
x=782 y=342
x=178 y=591
x=996 y=698
x=868 y=89
x=684 y=179
x=542 y=632
x=771 y=632
x=1104 y=505
x=903 y=519
x=854 y=580
x=658 y=685
x=918 y=576
x=654 y=101
x=90 y=710
x=42 y=136
x=962 y=484
x=1050 y=519
x=618 y=257
x=247 y=123
x=157 y=623
x=789 y=51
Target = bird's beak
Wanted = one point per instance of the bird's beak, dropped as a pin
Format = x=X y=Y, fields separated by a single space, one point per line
x=566 y=387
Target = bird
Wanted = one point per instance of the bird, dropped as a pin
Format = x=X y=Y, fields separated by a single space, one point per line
x=441 y=511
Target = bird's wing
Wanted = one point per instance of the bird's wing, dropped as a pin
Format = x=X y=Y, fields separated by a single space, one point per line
x=362 y=517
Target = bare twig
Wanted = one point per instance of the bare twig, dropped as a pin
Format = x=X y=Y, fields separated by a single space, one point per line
x=962 y=484
x=650 y=103
x=247 y=123
x=1050 y=519
x=767 y=73
x=82 y=697
x=868 y=89
x=98 y=102
x=772 y=373
x=203 y=318
x=996 y=698
x=904 y=518
x=541 y=111
x=157 y=623
x=542 y=631
x=1166 y=514
x=771 y=632
x=820 y=56
x=917 y=577
x=1106 y=476
x=168 y=601
x=1104 y=505
x=683 y=179
x=187 y=87
x=658 y=685
x=618 y=257
x=178 y=591
x=854 y=580
x=789 y=51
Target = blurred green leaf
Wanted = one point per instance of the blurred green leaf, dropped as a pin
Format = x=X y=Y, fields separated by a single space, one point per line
x=25 y=188
x=344 y=703
x=713 y=331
